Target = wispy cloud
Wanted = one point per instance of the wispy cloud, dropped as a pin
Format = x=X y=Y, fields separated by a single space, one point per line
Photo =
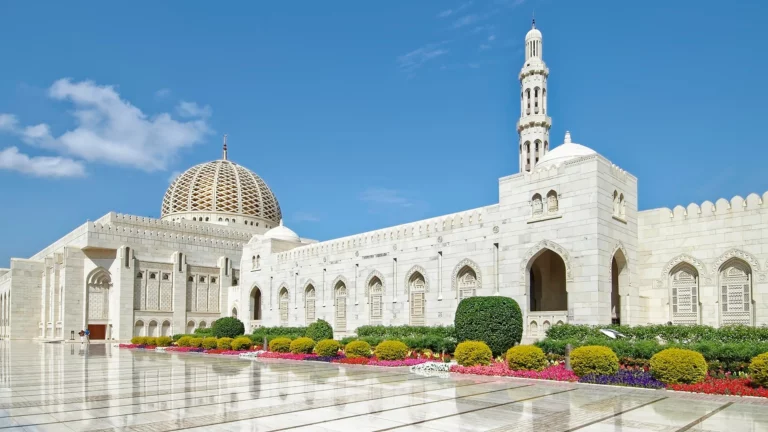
x=163 y=93
x=384 y=196
x=491 y=38
x=448 y=12
x=305 y=217
x=174 y=175
x=110 y=130
x=40 y=166
x=418 y=57
x=484 y=47
x=466 y=20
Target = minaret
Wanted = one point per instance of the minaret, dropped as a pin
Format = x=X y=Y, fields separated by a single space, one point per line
x=533 y=126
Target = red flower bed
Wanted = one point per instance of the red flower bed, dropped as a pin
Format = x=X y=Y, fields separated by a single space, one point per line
x=223 y=352
x=554 y=373
x=723 y=386
x=286 y=356
x=134 y=346
x=357 y=361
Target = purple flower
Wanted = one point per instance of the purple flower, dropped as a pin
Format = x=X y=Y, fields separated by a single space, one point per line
x=625 y=377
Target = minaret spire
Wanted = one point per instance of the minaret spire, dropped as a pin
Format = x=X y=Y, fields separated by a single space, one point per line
x=533 y=126
x=224 y=156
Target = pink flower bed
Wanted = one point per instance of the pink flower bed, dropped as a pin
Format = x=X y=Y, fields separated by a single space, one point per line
x=223 y=352
x=553 y=373
x=184 y=349
x=134 y=346
x=286 y=356
x=396 y=363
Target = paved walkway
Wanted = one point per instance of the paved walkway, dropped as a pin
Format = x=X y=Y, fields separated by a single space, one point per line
x=61 y=387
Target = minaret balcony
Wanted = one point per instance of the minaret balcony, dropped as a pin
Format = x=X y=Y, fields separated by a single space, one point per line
x=533 y=120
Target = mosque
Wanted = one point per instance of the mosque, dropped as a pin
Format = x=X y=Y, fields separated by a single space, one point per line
x=565 y=240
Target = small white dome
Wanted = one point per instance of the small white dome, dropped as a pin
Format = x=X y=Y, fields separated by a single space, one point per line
x=281 y=232
x=564 y=152
x=533 y=32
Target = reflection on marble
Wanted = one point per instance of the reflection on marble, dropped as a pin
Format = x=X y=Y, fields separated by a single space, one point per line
x=69 y=387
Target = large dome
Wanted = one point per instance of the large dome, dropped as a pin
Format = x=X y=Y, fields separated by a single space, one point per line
x=563 y=153
x=218 y=190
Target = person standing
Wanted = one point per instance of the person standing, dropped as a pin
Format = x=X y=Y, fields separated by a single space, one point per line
x=87 y=336
x=82 y=337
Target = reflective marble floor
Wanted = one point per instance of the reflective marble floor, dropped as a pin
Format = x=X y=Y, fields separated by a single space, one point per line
x=66 y=387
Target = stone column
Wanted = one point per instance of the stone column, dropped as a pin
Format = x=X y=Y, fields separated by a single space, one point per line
x=180 y=275
x=225 y=281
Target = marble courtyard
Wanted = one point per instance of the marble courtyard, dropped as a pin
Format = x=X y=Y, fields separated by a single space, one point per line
x=69 y=387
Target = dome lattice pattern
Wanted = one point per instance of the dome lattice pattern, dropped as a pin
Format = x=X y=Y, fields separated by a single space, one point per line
x=221 y=186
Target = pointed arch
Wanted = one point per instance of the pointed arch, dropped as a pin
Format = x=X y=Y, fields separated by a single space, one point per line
x=459 y=267
x=283 y=297
x=735 y=293
x=684 y=293
x=308 y=284
x=413 y=271
x=620 y=281
x=683 y=258
x=735 y=253
x=256 y=303
x=371 y=275
x=98 y=283
x=537 y=250
x=310 y=295
x=340 y=303
x=338 y=279
x=99 y=277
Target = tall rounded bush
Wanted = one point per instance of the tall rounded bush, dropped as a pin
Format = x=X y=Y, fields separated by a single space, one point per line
x=302 y=345
x=327 y=348
x=391 y=350
x=598 y=360
x=241 y=343
x=497 y=321
x=758 y=370
x=526 y=357
x=230 y=327
x=319 y=330
x=281 y=345
x=473 y=353
x=358 y=348
x=678 y=366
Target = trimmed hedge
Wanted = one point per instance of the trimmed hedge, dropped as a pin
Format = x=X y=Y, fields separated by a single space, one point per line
x=391 y=350
x=281 y=345
x=163 y=341
x=184 y=341
x=302 y=345
x=405 y=331
x=275 y=332
x=224 y=343
x=598 y=360
x=210 y=343
x=425 y=342
x=473 y=353
x=327 y=348
x=678 y=366
x=758 y=370
x=496 y=320
x=319 y=330
x=671 y=334
x=241 y=343
x=196 y=342
x=202 y=332
x=526 y=357
x=139 y=340
x=230 y=327
x=358 y=348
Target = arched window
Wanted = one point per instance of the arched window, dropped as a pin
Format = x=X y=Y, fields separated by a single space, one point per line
x=202 y=325
x=340 y=300
x=417 y=288
x=206 y=219
x=190 y=327
x=284 y=307
x=138 y=328
x=255 y=304
x=536 y=100
x=552 y=204
x=467 y=282
x=165 y=329
x=615 y=203
x=684 y=284
x=309 y=304
x=152 y=329
x=736 y=293
x=375 y=290
x=544 y=101
x=622 y=206
x=221 y=220
x=537 y=206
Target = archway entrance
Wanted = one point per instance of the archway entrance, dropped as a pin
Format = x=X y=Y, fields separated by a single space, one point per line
x=548 y=297
x=255 y=304
x=97 y=303
x=619 y=283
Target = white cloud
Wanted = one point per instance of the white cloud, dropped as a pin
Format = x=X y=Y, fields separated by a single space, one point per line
x=163 y=93
x=191 y=109
x=385 y=197
x=40 y=166
x=448 y=12
x=416 y=58
x=466 y=20
x=8 y=122
x=484 y=47
x=491 y=38
x=305 y=217
x=111 y=130
x=173 y=176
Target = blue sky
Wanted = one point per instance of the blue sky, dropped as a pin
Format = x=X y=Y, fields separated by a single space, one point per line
x=360 y=115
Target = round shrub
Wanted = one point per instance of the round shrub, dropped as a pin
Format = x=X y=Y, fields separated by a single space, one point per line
x=281 y=345
x=391 y=350
x=327 y=348
x=678 y=366
x=163 y=341
x=184 y=341
x=139 y=340
x=302 y=345
x=319 y=330
x=593 y=359
x=196 y=342
x=209 y=342
x=496 y=320
x=357 y=349
x=526 y=357
x=228 y=327
x=241 y=343
x=224 y=343
x=150 y=341
x=758 y=370
x=473 y=353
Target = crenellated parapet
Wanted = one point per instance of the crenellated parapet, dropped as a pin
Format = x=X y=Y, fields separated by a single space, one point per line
x=186 y=226
x=164 y=236
x=421 y=229
x=708 y=209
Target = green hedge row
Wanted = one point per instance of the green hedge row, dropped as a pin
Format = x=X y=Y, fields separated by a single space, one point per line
x=406 y=331
x=434 y=343
x=319 y=330
x=667 y=333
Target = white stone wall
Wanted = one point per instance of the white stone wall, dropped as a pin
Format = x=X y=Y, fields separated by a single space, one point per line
x=704 y=236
